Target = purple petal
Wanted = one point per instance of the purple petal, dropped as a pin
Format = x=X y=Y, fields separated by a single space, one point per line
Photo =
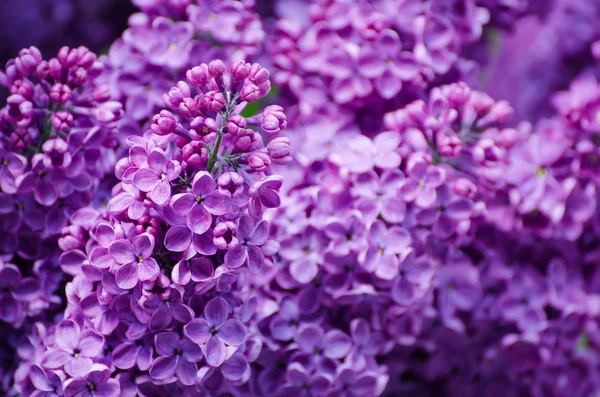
x=304 y=270
x=91 y=343
x=182 y=203
x=232 y=332
x=178 y=239
x=163 y=367
x=216 y=204
x=120 y=203
x=148 y=269
x=125 y=355
x=203 y=243
x=145 y=179
x=235 y=368
x=67 y=335
x=27 y=290
x=101 y=258
x=166 y=343
x=157 y=161
x=198 y=330
x=216 y=311
x=143 y=245
x=186 y=372
x=201 y=269
x=122 y=252
x=337 y=344
x=215 y=352
x=256 y=259
x=260 y=235
x=191 y=350
x=204 y=184
x=199 y=219
x=55 y=359
x=310 y=338
x=126 y=276
x=39 y=380
x=78 y=366
x=161 y=193
x=236 y=257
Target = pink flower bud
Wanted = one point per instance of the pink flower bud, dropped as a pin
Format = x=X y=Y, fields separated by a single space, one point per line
x=28 y=60
x=260 y=162
x=216 y=68
x=86 y=57
x=231 y=184
x=189 y=107
x=250 y=93
x=163 y=123
x=62 y=121
x=43 y=70
x=56 y=153
x=240 y=70
x=279 y=150
x=273 y=120
x=248 y=141
x=177 y=94
x=215 y=100
x=23 y=88
x=225 y=235
x=449 y=145
x=79 y=76
x=258 y=74
x=20 y=138
x=198 y=76
x=60 y=93
x=236 y=125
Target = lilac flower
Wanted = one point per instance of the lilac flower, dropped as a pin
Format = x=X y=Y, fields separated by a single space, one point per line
x=96 y=382
x=421 y=184
x=314 y=342
x=135 y=353
x=301 y=383
x=74 y=349
x=387 y=64
x=284 y=325
x=215 y=332
x=14 y=292
x=12 y=166
x=351 y=383
x=47 y=383
x=155 y=179
x=198 y=205
x=165 y=308
x=361 y=154
x=385 y=246
x=305 y=254
x=251 y=237
x=135 y=260
x=347 y=234
x=177 y=357
x=378 y=195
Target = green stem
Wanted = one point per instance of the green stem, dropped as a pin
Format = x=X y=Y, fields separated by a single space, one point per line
x=224 y=118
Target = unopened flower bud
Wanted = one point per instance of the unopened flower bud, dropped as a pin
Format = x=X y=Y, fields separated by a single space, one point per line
x=198 y=76
x=260 y=162
x=60 y=93
x=250 y=93
x=62 y=121
x=273 y=120
x=163 y=123
x=101 y=93
x=279 y=150
x=215 y=100
x=258 y=74
x=225 y=235
x=216 y=68
x=240 y=70
x=231 y=184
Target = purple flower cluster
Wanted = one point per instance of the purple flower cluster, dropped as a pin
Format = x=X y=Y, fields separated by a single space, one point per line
x=56 y=148
x=157 y=293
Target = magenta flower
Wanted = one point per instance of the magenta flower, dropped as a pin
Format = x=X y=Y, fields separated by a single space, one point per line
x=198 y=205
x=135 y=260
x=74 y=350
x=249 y=250
x=48 y=383
x=315 y=343
x=385 y=246
x=12 y=166
x=421 y=184
x=301 y=383
x=156 y=178
x=96 y=383
x=360 y=154
x=378 y=195
x=178 y=358
x=216 y=331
